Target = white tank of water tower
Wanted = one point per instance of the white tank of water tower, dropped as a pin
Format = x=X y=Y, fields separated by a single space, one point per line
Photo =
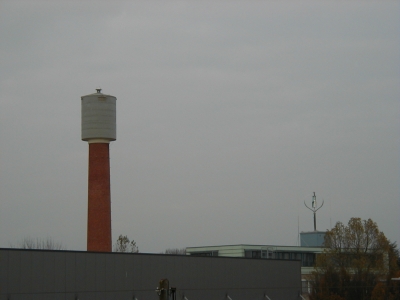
x=98 y=117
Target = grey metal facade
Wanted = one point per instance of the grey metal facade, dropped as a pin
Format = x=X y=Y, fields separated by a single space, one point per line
x=47 y=274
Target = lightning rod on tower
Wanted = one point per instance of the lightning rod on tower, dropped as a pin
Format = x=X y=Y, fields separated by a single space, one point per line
x=314 y=209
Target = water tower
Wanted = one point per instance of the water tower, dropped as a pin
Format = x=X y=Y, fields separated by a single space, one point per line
x=99 y=129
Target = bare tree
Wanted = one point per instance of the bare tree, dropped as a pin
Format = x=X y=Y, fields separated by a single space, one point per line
x=176 y=251
x=38 y=243
x=123 y=244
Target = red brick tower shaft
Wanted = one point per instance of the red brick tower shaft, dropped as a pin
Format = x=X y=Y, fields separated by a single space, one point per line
x=99 y=199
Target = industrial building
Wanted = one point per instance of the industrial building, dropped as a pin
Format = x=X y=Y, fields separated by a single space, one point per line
x=73 y=275
x=306 y=253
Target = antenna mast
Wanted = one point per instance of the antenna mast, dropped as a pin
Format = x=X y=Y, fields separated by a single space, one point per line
x=314 y=209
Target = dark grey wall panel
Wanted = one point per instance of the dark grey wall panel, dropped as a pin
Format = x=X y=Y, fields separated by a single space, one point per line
x=59 y=272
x=120 y=272
x=148 y=272
x=80 y=272
x=182 y=268
x=48 y=269
x=138 y=280
x=27 y=272
x=14 y=272
x=35 y=274
x=70 y=272
x=4 y=276
x=110 y=267
x=100 y=272
x=128 y=276
x=90 y=282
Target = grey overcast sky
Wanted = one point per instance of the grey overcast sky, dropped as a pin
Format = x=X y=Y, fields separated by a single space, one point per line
x=230 y=114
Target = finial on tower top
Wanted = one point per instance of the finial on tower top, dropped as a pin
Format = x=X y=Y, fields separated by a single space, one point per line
x=98 y=90
x=314 y=208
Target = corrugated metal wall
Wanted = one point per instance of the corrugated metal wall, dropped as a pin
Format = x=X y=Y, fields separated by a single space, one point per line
x=36 y=274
